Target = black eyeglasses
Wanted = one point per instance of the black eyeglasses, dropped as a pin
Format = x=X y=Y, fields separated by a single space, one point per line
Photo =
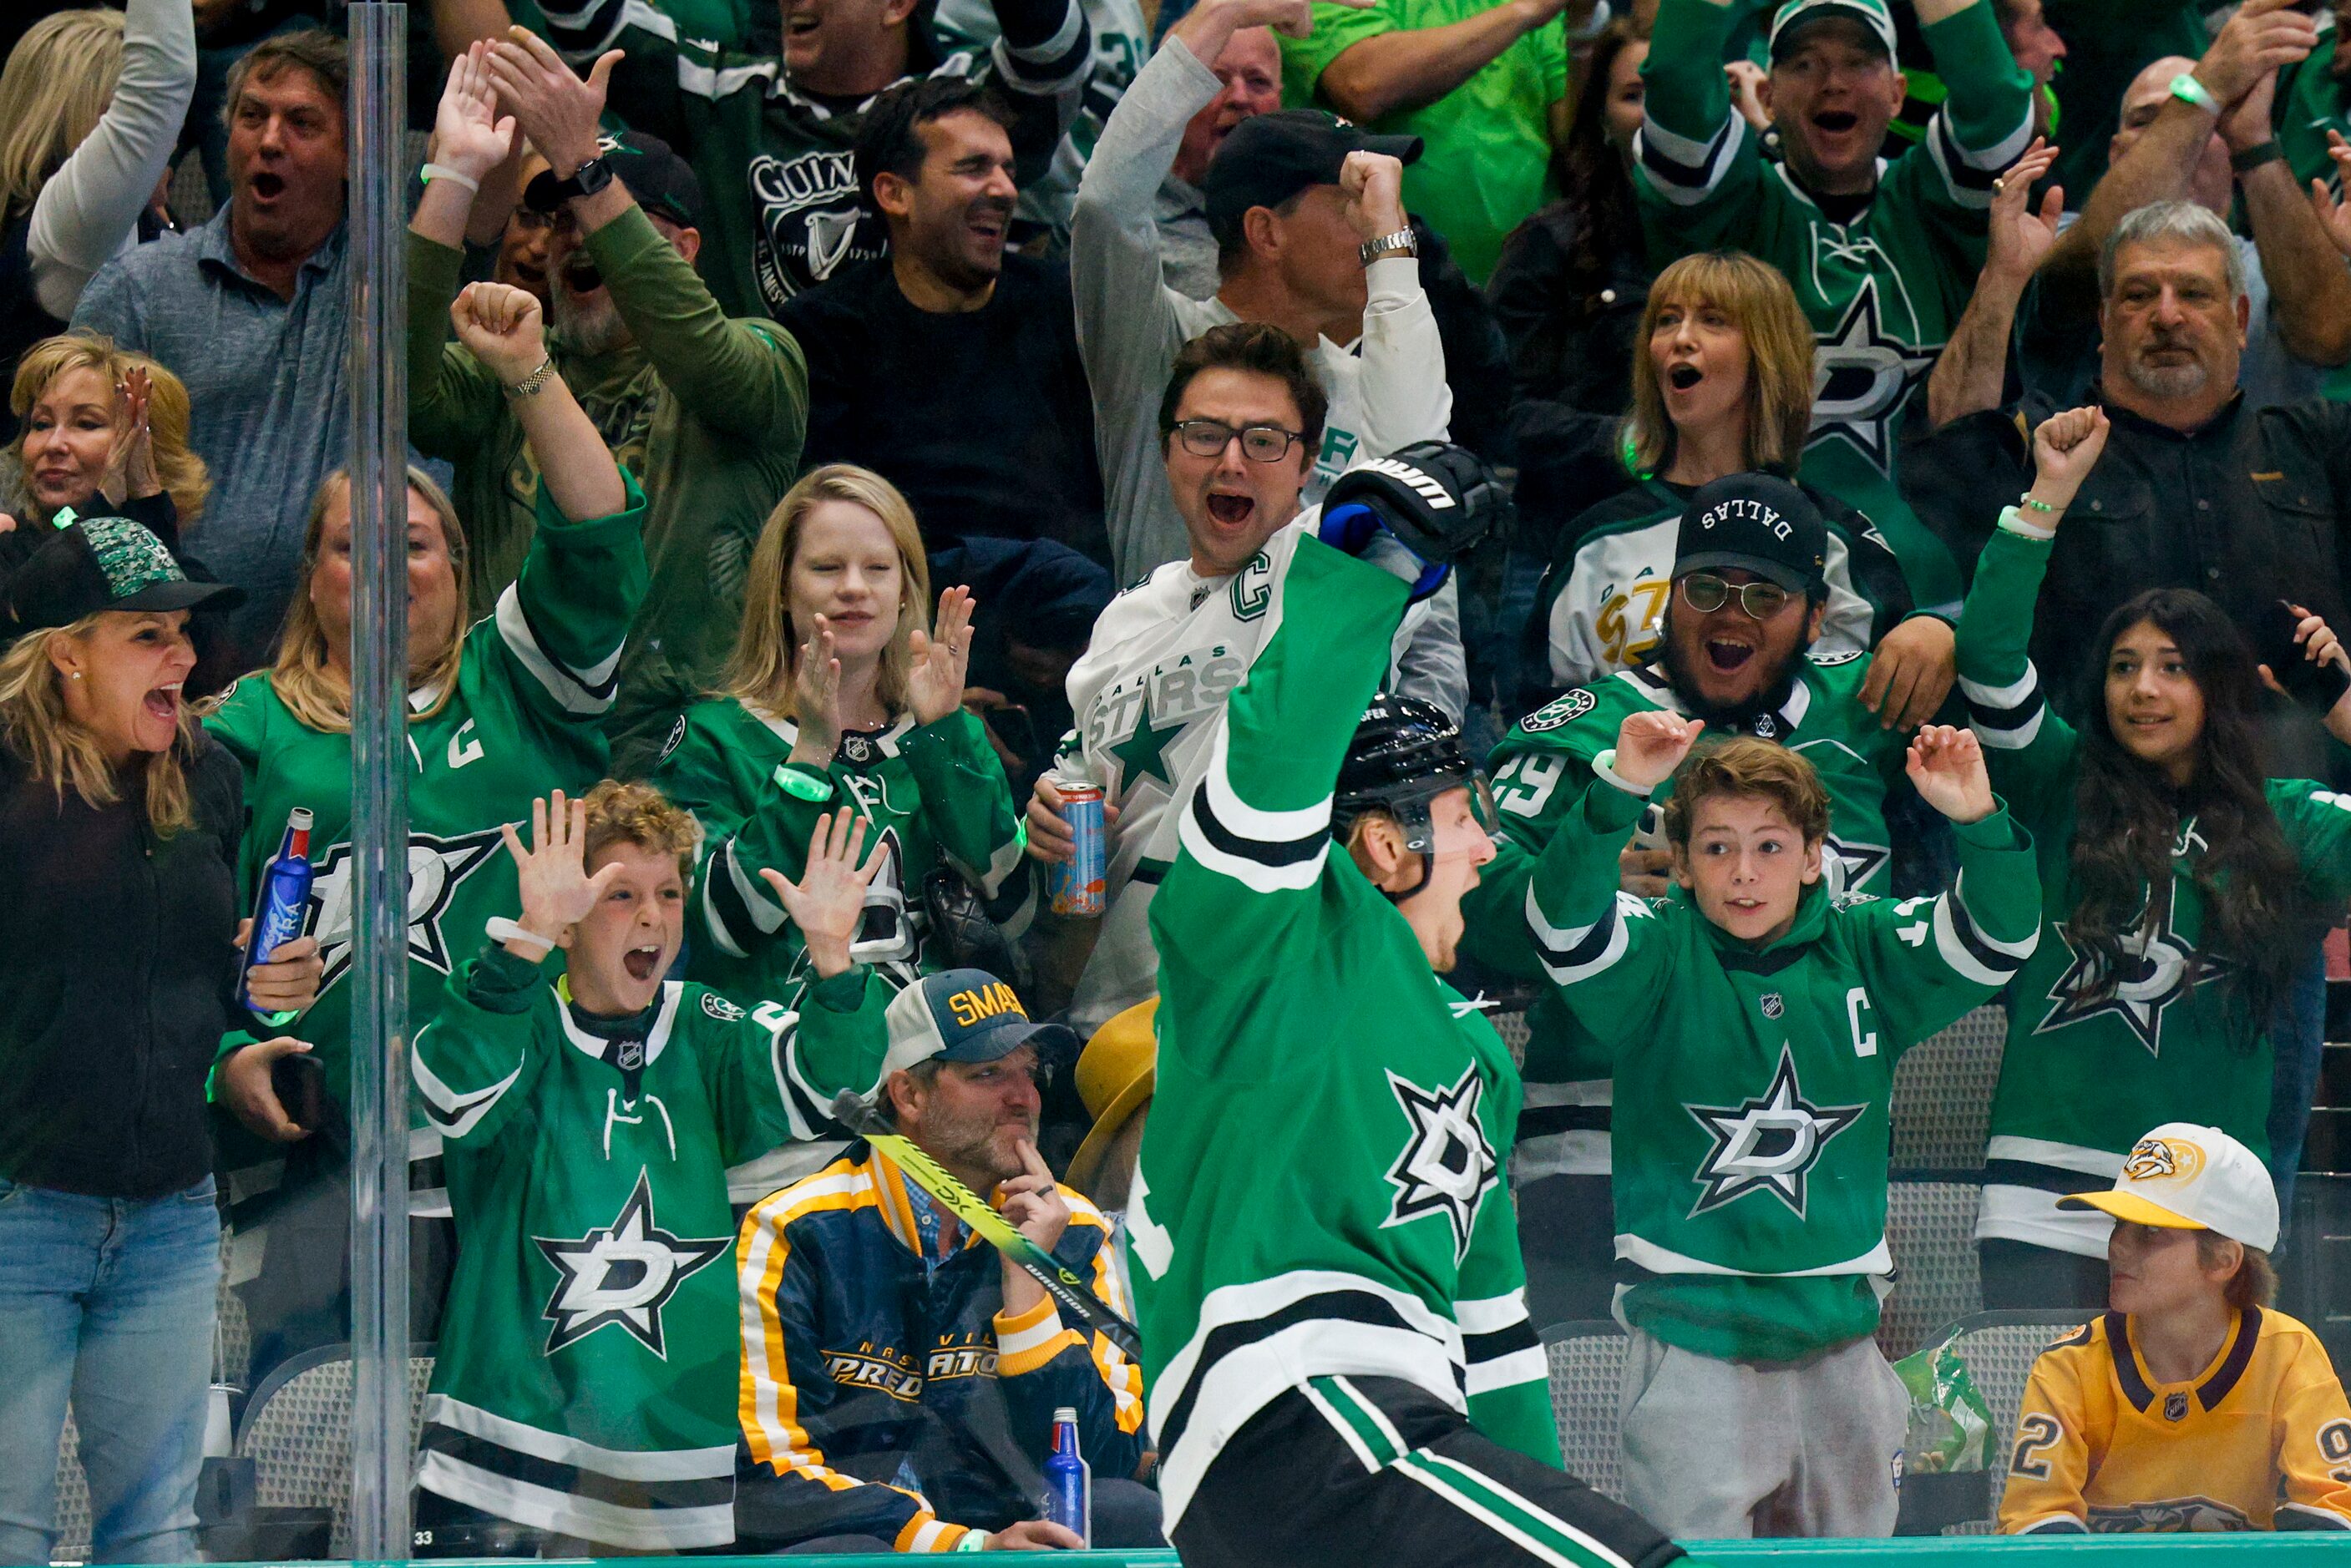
x=1707 y=594
x=1260 y=444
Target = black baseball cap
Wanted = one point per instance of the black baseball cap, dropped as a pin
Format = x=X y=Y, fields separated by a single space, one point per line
x=97 y=563
x=1756 y=523
x=1267 y=159
x=660 y=180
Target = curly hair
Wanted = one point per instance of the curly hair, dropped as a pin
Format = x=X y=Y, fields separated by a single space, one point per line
x=1744 y=765
x=2127 y=815
x=623 y=812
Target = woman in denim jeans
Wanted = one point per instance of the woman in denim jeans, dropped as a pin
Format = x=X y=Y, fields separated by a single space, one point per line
x=118 y=974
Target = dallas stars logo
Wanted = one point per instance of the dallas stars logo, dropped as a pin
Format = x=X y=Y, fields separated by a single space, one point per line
x=1448 y=1165
x=1770 y=1144
x=623 y=1274
x=1861 y=378
x=437 y=867
x=2159 y=967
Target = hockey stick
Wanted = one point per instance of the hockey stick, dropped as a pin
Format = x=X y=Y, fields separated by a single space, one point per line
x=1065 y=1285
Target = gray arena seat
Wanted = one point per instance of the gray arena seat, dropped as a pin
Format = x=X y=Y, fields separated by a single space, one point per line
x=1999 y=1348
x=1931 y=1228
x=1942 y=1096
x=297 y=1432
x=1587 y=1363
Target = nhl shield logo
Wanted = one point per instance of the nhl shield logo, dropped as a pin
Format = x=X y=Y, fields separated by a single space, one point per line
x=858 y=750
x=1766 y=726
x=631 y=1056
x=2175 y=1406
x=1774 y=1004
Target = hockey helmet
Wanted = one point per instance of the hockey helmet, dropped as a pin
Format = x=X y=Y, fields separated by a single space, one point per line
x=1405 y=753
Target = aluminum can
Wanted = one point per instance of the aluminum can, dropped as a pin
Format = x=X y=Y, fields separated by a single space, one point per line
x=1081 y=885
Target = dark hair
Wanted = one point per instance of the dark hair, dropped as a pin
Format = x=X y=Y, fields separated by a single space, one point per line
x=2254 y=1284
x=1592 y=182
x=2126 y=817
x=889 y=136
x=1232 y=235
x=322 y=54
x=1259 y=349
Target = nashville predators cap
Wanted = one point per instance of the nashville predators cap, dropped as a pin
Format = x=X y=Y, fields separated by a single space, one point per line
x=2183 y=1177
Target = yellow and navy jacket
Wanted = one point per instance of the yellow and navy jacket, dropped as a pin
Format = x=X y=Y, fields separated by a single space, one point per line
x=885 y=1391
x=2260 y=1439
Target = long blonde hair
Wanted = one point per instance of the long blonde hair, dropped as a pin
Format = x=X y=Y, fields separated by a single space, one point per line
x=57 y=81
x=1757 y=297
x=63 y=753
x=312 y=691
x=180 y=471
x=766 y=649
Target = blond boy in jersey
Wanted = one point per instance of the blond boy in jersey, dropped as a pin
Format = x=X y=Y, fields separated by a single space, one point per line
x=2192 y=1405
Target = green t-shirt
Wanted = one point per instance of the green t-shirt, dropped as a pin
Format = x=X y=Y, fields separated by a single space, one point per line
x=1487 y=165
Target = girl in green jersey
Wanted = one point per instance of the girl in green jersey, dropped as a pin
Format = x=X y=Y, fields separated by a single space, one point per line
x=837 y=694
x=2179 y=884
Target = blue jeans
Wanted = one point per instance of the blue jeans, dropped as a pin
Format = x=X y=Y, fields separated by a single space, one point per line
x=109 y=1303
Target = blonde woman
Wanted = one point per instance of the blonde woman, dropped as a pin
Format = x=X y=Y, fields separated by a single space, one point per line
x=499 y=713
x=1722 y=384
x=118 y=825
x=103 y=429
x=91 y=102
x=837 y=694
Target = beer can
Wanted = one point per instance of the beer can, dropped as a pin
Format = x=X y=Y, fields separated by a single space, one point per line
x=281 y=904
x=1081 y=885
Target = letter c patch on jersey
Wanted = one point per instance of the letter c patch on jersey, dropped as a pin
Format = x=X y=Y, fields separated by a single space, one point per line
x=1560 y=712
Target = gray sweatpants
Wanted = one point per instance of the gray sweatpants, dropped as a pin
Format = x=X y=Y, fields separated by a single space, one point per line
x=1728 y=1449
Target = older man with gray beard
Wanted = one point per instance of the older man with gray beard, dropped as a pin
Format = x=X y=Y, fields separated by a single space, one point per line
x=708 y=412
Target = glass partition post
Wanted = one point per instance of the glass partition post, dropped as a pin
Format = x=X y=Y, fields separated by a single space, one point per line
x=378 y=972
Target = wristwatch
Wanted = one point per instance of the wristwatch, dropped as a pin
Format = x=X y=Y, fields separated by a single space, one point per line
x=545 y=193
x=1402 y=243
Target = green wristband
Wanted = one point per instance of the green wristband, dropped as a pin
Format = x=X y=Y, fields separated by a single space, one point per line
x=2187 y=87
x=802 y=785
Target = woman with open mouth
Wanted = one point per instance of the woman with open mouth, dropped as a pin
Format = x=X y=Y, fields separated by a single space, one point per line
x=839 y=694
x=506 y=710
x=118 y=821
x=1722 y=384
x=2181 y=884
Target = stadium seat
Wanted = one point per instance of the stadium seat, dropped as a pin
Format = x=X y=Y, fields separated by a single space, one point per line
x=297 y=1432
x=1512 y=1028
x=1998 y=1349
x=1587 y=1363
x=1931 y=1228
x=1942 y=1096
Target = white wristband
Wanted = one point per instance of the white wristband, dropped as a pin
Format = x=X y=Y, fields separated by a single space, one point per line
x=432 y=171
x=1604 y=766
x=498 y=928
x=2014 y=519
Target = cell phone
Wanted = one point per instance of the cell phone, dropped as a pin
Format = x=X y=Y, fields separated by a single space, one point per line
x=2320 y=686
x=301 y=1085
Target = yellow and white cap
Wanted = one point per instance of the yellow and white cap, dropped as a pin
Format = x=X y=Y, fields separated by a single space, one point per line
x=2183 y=1177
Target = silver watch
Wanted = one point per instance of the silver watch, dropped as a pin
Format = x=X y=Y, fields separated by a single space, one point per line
x=1381 y=247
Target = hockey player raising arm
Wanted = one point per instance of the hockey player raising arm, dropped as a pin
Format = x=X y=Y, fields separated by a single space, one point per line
x=1325 y=1258
x=589 y=1118
x=2192 y=1405
x=2178 y=880
x=1755 y=1021
x=841 y=692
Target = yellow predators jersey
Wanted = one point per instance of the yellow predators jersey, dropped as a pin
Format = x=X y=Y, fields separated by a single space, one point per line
x=2260 y=1439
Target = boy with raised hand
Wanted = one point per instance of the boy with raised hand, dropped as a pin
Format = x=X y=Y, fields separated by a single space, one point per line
x=1755 y=1021
x=586 y=1379
x=2193 y=1405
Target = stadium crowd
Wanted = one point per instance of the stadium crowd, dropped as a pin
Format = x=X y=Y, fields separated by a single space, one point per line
x=1909 y=448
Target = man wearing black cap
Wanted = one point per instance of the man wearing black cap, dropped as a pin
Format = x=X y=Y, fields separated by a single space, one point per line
x=1747 y=603
x=707 y=411
x=1312 y=238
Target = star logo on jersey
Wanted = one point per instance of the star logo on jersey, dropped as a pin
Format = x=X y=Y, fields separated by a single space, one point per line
x=2159 y=967
x=1849 y=864
x=437 y=867
x=1770 y=1144
x=1446 y=1165
x=621 y=1275
x=1146 y=751
x=1861 y=378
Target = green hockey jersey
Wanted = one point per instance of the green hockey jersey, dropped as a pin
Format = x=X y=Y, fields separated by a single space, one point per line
x=1751 y=1084
x=585 y=1381
x=1541 y=771
x=934 y=793
x=536 y=679
x=1319 y=1192
x=1882 y=287
x=2085 y=1075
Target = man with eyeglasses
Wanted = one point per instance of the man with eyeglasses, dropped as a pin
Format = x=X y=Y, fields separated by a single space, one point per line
x=709 y=411
x=1748 y=597
x=1240 y=421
